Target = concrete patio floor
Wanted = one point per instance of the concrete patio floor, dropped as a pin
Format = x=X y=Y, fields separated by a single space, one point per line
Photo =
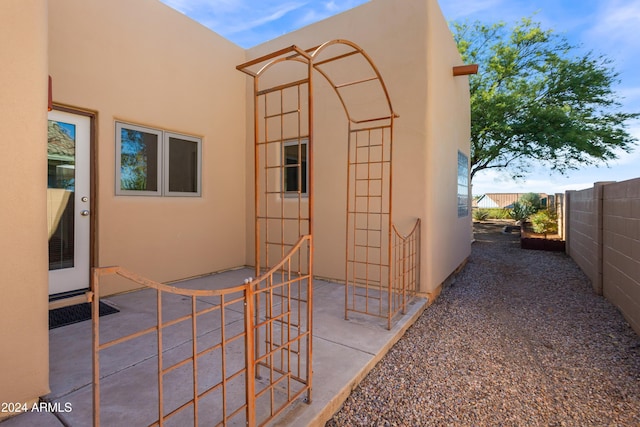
x=343 y=353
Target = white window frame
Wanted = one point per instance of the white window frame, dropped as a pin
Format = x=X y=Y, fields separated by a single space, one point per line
x=123 y=192
x=162 y=162
x=294 y=142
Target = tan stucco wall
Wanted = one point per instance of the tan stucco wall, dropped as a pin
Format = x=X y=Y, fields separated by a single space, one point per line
x=144 y=63
x=415 y=61
x=24 y=345
x=447 y=238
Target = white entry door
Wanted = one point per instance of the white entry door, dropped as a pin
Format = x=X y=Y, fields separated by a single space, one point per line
x=68 y=176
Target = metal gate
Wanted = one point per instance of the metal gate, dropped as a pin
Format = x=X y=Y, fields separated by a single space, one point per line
x=239 y=376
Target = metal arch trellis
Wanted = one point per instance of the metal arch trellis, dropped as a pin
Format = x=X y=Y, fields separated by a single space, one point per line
x=382 y=272
x=379 y=279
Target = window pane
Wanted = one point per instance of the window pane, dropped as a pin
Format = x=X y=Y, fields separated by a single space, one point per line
x=183 y=165
x=463 y=185
x=61 y=156
x=138 y=160
x=295 y=168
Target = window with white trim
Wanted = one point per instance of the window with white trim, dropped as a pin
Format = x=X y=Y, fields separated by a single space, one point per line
x=153 y=162
x=463 y=185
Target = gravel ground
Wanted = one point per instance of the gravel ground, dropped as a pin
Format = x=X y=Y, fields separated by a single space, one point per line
x=519 y=339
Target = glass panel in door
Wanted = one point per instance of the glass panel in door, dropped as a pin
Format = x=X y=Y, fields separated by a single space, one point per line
x=68 y=201
x=61 y=177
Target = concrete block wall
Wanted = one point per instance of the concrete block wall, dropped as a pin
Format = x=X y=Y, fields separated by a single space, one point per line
x=621 y=248
x=582 y=231
x=558 y=206
x=603 y=238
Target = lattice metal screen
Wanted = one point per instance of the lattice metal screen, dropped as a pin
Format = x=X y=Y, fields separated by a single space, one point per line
x=406 y=268
x=282 y=164
x=369 y=221
x=243 y=353
x=284 y=141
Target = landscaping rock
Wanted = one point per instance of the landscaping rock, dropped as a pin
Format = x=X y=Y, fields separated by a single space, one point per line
x=520 y=339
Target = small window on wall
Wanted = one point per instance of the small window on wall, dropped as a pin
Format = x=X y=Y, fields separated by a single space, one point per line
x=152 y=162
x=182 y=165
x=463 y=185
x=294 y=165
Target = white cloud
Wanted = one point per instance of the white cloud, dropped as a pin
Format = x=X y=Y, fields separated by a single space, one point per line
x=331 y=6
x=272 y=14
x=229 y=16
x=617 y=24
x=317 y=12
x=629 y=95
x=632 y=158
x=217 y=7
x=461 y=9
x=249 y=22
x=310 y=17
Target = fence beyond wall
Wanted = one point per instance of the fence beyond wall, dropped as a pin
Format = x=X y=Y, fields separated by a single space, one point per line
x=603 y=238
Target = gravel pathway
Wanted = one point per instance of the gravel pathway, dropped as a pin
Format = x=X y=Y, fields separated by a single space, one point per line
x=519 y=339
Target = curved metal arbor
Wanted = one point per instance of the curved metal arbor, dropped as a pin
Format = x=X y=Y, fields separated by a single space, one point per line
x=283 y=118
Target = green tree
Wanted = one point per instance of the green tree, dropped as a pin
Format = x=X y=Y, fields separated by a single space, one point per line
x=532 y=199
x=536 y=100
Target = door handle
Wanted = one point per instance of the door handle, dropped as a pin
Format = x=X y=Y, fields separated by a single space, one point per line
x=84 y=212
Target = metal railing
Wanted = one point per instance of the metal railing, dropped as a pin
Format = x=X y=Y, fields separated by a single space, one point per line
x=406 y=268
x=380 y=286
x=273 y=339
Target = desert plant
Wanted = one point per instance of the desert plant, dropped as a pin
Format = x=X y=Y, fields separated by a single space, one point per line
x=532 y=199
x=544 y=222
x=480 y=214
x=522 y=211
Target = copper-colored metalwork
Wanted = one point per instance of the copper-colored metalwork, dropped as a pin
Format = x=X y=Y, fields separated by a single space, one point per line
x=285 y=322
x=465 y=70
x=283 y=116
x=382 y=273
x=370 y=285
x=50 y=95
x=406 y=268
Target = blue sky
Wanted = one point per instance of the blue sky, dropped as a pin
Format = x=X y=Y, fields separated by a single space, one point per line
x=606 y=27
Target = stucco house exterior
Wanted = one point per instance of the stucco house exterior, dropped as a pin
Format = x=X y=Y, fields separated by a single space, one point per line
x=135 y=79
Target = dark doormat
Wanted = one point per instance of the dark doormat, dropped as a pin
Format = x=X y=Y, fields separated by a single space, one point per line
x=76 y=313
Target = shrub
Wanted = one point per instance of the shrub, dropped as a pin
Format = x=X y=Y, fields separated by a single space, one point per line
x=498 y=213
x=480 y=214
x=532 y=199
x=544 y=222
x=522 y=211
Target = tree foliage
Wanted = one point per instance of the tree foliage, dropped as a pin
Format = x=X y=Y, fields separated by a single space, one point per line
x=536 y=100
x=544 y=222
x=532 y=199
